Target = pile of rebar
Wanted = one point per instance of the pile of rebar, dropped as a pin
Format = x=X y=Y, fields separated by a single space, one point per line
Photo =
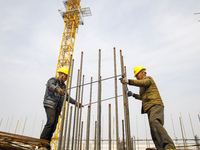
x=13 y=141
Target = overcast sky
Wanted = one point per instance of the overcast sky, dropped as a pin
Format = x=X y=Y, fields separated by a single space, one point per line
x=162 y=36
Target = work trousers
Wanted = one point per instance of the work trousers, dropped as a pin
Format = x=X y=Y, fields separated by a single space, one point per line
x=52 y=120
x=159 y=135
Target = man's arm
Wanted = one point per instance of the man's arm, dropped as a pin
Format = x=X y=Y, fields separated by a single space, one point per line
x=141 y=83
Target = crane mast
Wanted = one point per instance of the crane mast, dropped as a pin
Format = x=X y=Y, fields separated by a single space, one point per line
x=72 y=16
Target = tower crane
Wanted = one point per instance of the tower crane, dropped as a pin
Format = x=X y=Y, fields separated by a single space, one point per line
x=72 y=15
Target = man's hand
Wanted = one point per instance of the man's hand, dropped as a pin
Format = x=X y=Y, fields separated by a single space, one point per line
x=60 y=91
x=123 y=80
x=80 y=105
x=131 y=94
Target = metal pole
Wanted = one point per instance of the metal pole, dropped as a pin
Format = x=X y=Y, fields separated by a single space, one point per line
x=116 y=100
x=63 y=111
x=88 y=119
x=146 y=131
x=7 y=123
x=99 y=106
x=81 y=136
x=79 y=132
x=191 y=125
x=69 y=130
x=95 y=136
x=68 y=100
x=183 y=129
x=19 y=124
x=109 y=125
x=41 y=127
x=137 y=133
x=16 y=126
x=1 y=122
x=79 y=91
x=182 y=133
x=10 y=124
x=126 y=106
x=74 y=124
x=123 y=134
x=88 y=129
x=24 y=126
x=174 y=131
x=33 y=125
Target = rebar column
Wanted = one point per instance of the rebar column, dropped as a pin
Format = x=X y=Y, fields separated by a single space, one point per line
x=79 y=91
x=109 y=126
x=182 y=133
x=126 y=106
x=116 y=100
x=123 y=134
x=63 y=111
x=68 y=100
x=88 y=118
x=99 y=106
x=95 y=136
x=74 y=124
x=69 y=129
x=80 y=116
x=81 y=136
x=88 y=129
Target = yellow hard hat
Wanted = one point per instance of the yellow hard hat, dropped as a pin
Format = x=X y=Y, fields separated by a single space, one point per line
x=137 y=69
x=64 y=70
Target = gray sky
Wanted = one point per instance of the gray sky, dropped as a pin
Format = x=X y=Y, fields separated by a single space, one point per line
x=162 y=36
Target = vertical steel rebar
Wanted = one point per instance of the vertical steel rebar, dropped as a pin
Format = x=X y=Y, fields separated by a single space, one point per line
x=116 y=100
x=41 y=127
x=63 y=112
x=174 y=130
x=33 y=125
x=80 y=116
x=69 y=129
x=123 y=135
x=137 y=133
x=7 y=123
x=68 y=100
x=191 y=125
x=24 y=126
x=109 y=125
x=88 y=118
x=183 y=130
x=95 y=136
x=16 y=126
x=99 y=106
x=81 y=136
x=182 y=133
x=1 y=122
x=10 y=124
x=88 y=129
x=126 y=106
x=79 y=91
x=74 y=124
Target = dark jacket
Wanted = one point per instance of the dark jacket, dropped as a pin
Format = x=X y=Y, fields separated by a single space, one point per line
x=149 y=93
x=51 y=98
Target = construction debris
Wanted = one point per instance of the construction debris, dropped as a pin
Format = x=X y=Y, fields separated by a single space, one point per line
x=13 y=141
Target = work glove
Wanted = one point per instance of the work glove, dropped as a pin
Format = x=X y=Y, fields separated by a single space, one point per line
x=131 y=94
x=123 y=80
x=60 y=91
x=80 y=105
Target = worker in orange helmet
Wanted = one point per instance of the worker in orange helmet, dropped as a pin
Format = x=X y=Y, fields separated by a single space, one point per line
x=53 y=102
x=152 y=105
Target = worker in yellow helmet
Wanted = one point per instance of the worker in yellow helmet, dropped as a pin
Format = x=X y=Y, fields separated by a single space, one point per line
x=53 y=102
x=152 y=105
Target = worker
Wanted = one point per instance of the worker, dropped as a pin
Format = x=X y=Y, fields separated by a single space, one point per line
x=53 y=102
x=152 y=104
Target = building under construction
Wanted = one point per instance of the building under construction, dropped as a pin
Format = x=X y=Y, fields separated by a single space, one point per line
x=75 y=126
